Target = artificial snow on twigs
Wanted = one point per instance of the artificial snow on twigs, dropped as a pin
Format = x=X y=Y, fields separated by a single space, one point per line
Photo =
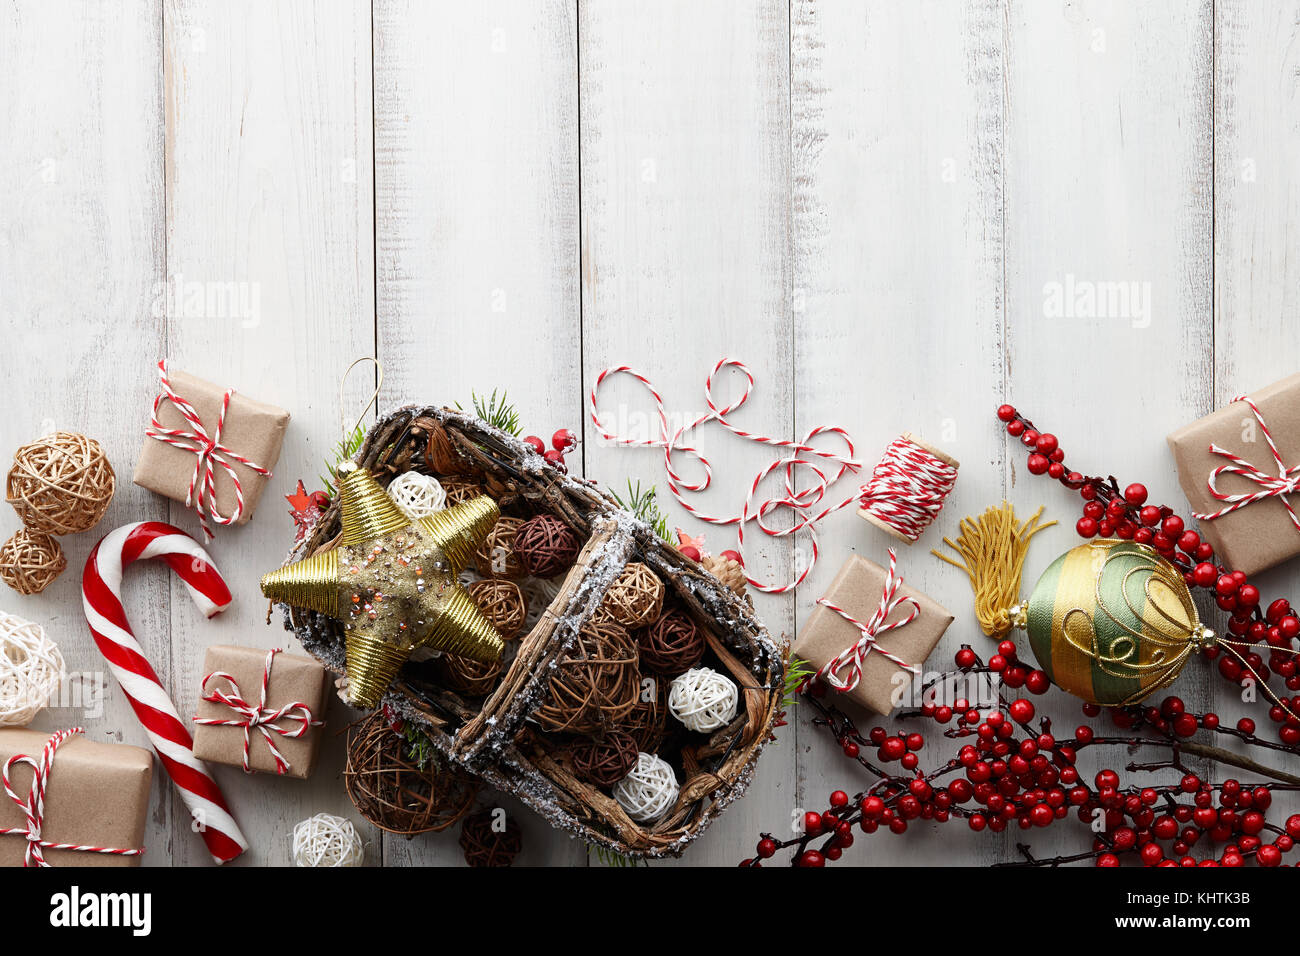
x=326 y=840
x=417 y=495
x=31 y=668
x=649 y=790
x=703 y=700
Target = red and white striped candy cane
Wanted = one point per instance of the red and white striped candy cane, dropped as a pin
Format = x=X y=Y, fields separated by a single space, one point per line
x=101 y=593
x=819 y=467
x=33 y=805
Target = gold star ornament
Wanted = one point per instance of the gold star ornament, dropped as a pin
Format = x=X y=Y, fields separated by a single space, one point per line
x=394 y=584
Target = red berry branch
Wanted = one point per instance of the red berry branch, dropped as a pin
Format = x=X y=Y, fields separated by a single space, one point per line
x=1011 y=770
x=1110 y=512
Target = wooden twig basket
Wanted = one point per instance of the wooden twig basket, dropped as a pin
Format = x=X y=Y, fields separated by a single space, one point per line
x=494 y=738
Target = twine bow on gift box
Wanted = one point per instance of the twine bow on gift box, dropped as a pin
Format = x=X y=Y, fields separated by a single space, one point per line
x=1285 y=482
x=259 y=717
x=33 y=805
x=852 y=657
x=208 y=451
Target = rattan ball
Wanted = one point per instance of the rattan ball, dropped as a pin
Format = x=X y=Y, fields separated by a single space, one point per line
x=595 y=684
x=703 y=700
x=461 y=490
x=604 y=760
x=547 y=546
x=60 y=484
x=671 y=645
x=490 y=837
x=417 y=495
x=647 y=721
x=389 y=788
x=30 y=561
x=636 y=598
x=649 y=790
x=470 y=677
x=503 y=603
x=497 y=557
x=325 y=840
x=31 y=667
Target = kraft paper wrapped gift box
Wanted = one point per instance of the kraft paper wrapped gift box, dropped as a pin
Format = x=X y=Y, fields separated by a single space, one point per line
x=1259 y=535
x=96 y=795
x=252 y=429
x=857 y=589
x=293 y=679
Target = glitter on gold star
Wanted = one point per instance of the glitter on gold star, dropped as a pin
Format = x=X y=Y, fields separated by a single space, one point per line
x=393 y=584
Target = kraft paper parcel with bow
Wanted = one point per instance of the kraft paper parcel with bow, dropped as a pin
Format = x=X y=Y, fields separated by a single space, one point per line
x=857 y=589
x=252 y=429
x=1259 y=534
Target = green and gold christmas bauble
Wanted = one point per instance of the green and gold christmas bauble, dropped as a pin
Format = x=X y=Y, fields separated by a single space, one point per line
x=1111 y=622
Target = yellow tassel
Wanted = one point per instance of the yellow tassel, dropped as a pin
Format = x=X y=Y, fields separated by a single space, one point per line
x=993 y=549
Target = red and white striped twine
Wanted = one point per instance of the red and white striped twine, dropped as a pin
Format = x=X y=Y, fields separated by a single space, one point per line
x=1285 y=482
x=853 y=656
x=101 y=598
x=906 y=494
x=259 y=716
x=208 y=450
x=33 y=805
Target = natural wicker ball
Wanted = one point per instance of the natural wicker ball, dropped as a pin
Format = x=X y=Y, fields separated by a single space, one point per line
x=30 y=561
x=604 y=760
x=671 y=645
x=502 y=603
x=60 y=484
x=470 y=677
x=546 y=546
x=417 y=495
x=325 y=840
x=497 y=558
x=31 y=668
x=490 y=837
x=647 y=721
x=649 y=790
x=595 y=684
x=390 y=789
x=636 y=597
x=703 y=700
x=461 y=490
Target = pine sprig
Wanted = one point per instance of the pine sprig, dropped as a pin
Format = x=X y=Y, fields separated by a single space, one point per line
x=645 y=505
x=617 y=860
x=344 y=449
x=797 y=672
x=419 y=746
x=498 y=412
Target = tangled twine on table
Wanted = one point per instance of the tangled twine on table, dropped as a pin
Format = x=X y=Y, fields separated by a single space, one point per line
x=31 y=668
x=326 y=840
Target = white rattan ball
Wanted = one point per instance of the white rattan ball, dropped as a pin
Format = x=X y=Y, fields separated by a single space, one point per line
x=327 y=840
x=417 y=495
x=648 y=790
x=703 y=699
x=31 y=668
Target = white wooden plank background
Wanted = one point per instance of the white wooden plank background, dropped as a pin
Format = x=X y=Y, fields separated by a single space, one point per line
x=866 y=202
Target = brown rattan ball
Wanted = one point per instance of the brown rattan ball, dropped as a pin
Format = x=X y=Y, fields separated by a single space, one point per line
x=671 y=645
x=595 y=684
x=389 y=789
x=461 y=490
x=635 y=599
x=60 y=484
x=470 y=677
x=546 y=546
x=605 y=760
x=30 y=561
x=497 y=557
x=490 y=837
x=502 y=603
x=647 y=721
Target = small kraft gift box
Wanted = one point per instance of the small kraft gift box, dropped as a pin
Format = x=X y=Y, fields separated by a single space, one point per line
x=1239 y=467
x=260 y=710
x=82 y=803
x=874 y=630
x=210 y=448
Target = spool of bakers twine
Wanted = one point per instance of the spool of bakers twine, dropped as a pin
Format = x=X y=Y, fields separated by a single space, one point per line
x=904 y=495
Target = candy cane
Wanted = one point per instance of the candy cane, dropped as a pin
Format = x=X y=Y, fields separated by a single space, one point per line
x=101 y=594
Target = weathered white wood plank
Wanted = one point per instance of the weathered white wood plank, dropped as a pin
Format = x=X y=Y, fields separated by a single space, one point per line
x=81 y=200
x=476 y=167
x=898 y=226
x=685 y=259
x=1108 y=190
x=269 y=193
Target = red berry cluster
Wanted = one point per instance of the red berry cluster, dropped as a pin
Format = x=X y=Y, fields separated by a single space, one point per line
x=1110 y=512
x=562 y=442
